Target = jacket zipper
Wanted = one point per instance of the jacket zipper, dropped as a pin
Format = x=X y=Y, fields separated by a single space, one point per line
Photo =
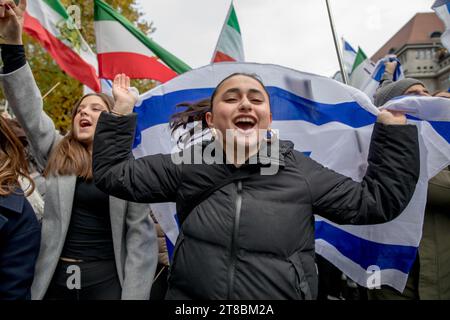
x=234 y=245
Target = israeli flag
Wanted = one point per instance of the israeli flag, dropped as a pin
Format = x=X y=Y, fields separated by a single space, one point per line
x=349 y=55
x=333 y=122
x=442 y=9
x=374 y=81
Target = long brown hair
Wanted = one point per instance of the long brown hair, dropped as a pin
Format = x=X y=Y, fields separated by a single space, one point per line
x=70 y=156
x=13 y=163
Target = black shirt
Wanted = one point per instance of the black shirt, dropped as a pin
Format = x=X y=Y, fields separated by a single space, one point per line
x=89 y=237
x=13 y=57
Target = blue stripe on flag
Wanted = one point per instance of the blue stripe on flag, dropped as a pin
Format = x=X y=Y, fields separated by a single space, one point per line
x=285 y=106
x=441 y=127
x=288 y=106
x=348 y=47
x=365 y=252
x=170 y=248
x=379 y=73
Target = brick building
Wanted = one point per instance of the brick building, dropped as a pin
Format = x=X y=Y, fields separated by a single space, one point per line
x=417 y=45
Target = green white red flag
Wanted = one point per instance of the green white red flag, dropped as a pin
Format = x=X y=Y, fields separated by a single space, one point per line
x=229 y=46
x=49 y=23
x=123 y=48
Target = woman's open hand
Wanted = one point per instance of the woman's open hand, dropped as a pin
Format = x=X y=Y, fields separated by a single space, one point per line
x=124 y=96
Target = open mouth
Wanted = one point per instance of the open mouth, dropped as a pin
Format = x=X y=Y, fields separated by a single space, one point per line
x=84 y=123
x=245 y=123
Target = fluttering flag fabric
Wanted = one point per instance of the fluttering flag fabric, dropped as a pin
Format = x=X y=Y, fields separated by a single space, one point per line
x=361 y=71
x=374 y=81
x=123 y=48
x=333 y=123
x=229 y=46
x=49 y=23
x=442 y=9
x=349 y=55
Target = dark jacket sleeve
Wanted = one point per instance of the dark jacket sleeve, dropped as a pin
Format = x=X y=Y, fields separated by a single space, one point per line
x=148 y=179
x=386 y=189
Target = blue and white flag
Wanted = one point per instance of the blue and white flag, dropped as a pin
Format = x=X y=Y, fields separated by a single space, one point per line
x=442 y=9
x=373 y=82
x=333 y=122
x=348 y=55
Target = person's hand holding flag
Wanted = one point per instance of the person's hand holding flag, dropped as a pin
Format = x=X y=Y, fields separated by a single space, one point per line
x=11 y=21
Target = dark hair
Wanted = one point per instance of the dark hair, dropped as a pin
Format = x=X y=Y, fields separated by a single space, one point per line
x=12 y=161
x=71 y=157
x=18 y=131
x=196 y=111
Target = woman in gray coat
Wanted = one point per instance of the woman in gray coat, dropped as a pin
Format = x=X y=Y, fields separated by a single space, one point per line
x=93 y=246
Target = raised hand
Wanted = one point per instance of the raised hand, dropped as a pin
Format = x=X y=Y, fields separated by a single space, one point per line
x=390 y=66
x=11 y=21
x=124 y=96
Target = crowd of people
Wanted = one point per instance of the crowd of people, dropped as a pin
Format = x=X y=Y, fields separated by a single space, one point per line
x=89 y=234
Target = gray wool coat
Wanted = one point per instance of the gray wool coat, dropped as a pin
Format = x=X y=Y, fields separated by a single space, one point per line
x=133 y=232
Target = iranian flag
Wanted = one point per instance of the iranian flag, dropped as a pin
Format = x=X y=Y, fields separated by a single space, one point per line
x=122 y=48
x=229 y=46
x=362 y=70
x=48 y=22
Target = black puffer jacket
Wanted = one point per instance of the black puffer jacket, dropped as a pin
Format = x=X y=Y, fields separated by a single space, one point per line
x=254 y=237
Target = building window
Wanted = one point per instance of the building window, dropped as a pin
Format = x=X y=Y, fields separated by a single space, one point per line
x=436 y=34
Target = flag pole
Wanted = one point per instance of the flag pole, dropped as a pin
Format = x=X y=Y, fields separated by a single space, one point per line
x=336 y=44
x=50 y=91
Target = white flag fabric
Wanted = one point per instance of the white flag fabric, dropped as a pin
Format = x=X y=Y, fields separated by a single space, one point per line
x=106 y=87
x=332 y=123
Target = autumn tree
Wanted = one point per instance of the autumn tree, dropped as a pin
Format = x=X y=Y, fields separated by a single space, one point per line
x=59 y=102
